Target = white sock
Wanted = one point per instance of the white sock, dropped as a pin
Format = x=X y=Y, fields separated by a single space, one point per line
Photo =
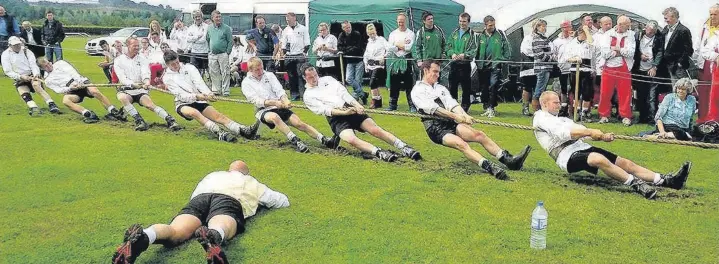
x=234 y=127
x=377 y=97
x=31 y=104
x=320 y=137
x=85 y=111
x=110 y=108
x=161 y=112
x=499 y=154
x=130 y=109
x=222 y=232
x=399 y=144
x=151 y=235
x=630 y=179
x=481 y=161
x=375 y=150
x=48 y=101
x=564 y=104
x=212 y=126
x=291 y=135
x=658 y=180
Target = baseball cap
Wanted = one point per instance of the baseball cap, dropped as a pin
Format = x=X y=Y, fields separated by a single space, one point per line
x=14 y=41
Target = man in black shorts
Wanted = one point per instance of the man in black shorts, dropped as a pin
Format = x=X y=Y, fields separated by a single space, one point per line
x=326 y=96
x=62 y=78
x=216 y=212
x=454 y=130
x=19 y=64
x=273 y=107
x=562 y=139
x=192 y=96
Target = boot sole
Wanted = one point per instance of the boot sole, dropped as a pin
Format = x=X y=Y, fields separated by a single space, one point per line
x=132 y=234
x=521 y=162
x=213 y=252
x=684 y=179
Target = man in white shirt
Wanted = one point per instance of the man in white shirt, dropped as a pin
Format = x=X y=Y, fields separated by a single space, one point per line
x=562 y=39
x=617 y=48
x=398 y=67
x=562 y=139
x=196 y=38
x=263 y=90
x=133 y=72
x=217 y=211
x=178 y=36
x=326 y=96
x=191 y=100
x=19 y=64
x=454 y=128
x=62 y=78
x=296 y=39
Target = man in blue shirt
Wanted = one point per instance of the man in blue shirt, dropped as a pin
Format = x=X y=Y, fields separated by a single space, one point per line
x=266 y=41
x=8 y=28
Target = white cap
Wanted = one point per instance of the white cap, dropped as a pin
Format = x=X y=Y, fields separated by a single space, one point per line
x=14 y=41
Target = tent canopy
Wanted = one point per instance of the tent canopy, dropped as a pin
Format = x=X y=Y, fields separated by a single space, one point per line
x=446 y=13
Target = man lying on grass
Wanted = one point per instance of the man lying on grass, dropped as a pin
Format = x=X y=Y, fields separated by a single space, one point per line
x=562 y=139
x=326 y=96
x=273 y=108
x=216 y=212
x=192 y=96
x=62 y=78
x=431 y=98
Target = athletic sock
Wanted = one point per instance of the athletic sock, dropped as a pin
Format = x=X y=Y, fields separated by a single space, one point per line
x=564 y=104
x=86 y=113
x=161 y=112
x=630 y=179
x=375 y=150
x=110 y=108
x=399 y=144
x=151 y=235
x=658 y=180
x=377 y=97
x=499 y=154
x=320 y=137
x=219 y=230
x=212 y=126
x=130 y=109
x=290 y=135
x=234 y=127
x=31 y=104
x=49 y=101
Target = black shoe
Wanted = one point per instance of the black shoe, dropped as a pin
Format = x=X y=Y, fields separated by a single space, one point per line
x=33 y=111
x=676 y=180
x=226 y=136
x=134 y=243
x=585 y=117
x=364 y=98
x=515 y=162
x=300 y=146
x=644 y=189
x=495 y=170
x=90 y=118
x=331 y=142
x=210 y=241
x=172 y=124
x=140 y=124
x=409 y=152
x=392 y=107
x=525 y=111
x=250 y=132
x=117 y=115
x=386 y=155
x=53 y=108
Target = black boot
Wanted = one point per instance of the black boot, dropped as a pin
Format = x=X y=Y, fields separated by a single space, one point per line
x=378 y=103
x=172 y=124
x=643 y=188
x=392 y=105
x=133 y=244
x=515 y=162
x=53 y=108
x=676 y=180
x=250 y=132
x=495 y=170
x=90 y=117
x=140 y=124
x=300 y=146
x=331 y=142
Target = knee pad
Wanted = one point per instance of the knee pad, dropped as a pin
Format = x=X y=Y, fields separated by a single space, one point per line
x=26 y=97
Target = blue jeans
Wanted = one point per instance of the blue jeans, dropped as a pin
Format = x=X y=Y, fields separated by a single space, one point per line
x=355 y=72
x=55 y=49
x=542 y=80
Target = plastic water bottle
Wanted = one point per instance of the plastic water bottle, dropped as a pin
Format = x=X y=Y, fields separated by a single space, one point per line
x=538 y=238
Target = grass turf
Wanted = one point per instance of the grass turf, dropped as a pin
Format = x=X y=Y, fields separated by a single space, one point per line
x=69 y=190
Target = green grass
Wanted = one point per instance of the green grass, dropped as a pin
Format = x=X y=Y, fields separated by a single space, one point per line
x=68 y=191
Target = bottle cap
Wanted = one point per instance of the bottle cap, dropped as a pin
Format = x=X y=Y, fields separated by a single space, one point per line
x=540 y=203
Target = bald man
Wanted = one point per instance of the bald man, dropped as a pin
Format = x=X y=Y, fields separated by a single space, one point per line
x=216 y=212
x=617 y=48
x=562 y=139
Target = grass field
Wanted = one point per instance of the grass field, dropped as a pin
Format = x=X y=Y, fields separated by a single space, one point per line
x=68 y=191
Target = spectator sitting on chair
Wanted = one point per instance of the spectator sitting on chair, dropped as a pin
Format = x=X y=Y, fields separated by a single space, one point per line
x=109 y=58
x=241 y=55
x=674 y=117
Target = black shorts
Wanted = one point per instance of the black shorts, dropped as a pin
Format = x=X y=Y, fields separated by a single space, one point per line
x=207 y=205
x=340 y=123
x=437 y=129
x=82 y=93
x=24 y=83
x=284 y=114
x=136 y=98
x=529 y=82
x=578 y=161
x=199 y=106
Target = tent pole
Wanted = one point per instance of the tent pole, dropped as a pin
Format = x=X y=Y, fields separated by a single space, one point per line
x=342 y=68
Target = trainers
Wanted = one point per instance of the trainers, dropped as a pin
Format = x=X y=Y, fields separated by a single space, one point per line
x=140 y=124
x=409 y=152
x=249 y=132
x=515 y=162
x=331 y=142
x=53 y=108
x=90 y=118
x=172 y=124
x=34 y=111
x=134 y=243
x=300 y=146
x=525 y=111
x=495 y=170
x=585 y=117
x=627 y=122
x=643 y=188
x=117 y=115
x=603 y=120
x=489 y=113
x=676 y=180
x=386 y=155
x=226 y=136
x=210 y=241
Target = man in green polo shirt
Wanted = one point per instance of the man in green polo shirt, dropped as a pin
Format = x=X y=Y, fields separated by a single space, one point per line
x=219 y=36
x=493 y=47
x=461 y=48
x=429 y=42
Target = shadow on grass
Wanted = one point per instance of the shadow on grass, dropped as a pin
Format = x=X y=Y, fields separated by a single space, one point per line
x=663 y=194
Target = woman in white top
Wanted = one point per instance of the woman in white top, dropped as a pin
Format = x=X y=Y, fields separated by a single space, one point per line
x=155 y=27
x=325 y=47
x=241 y=54
x=374 y=63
